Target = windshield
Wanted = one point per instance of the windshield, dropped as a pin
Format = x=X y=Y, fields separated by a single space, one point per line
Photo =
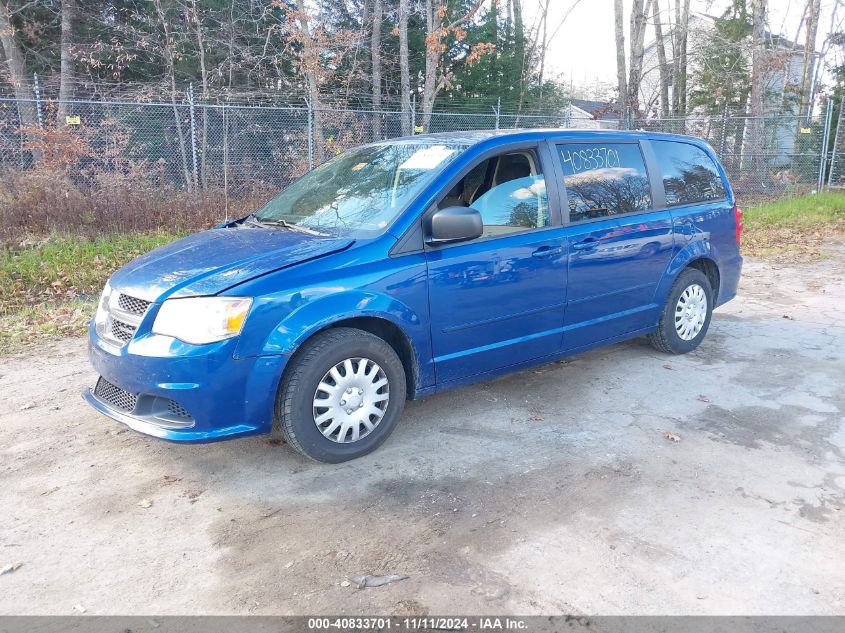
x=359 y=190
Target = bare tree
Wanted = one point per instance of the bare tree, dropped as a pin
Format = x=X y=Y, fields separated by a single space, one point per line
x=758 y=17
x=17 y=73
x=168 y=50
x=310 y=68
x=813 y=10
x=663 y=69
x=621 y=79
x=375 y=54
x=194 y=19
x=404 y=68
x=679 y=57
x=639 y=19
x=436 y=78
x=66 y=60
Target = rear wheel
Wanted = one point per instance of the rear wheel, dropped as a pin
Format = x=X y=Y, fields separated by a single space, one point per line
x=686 y=315
x=342 y=395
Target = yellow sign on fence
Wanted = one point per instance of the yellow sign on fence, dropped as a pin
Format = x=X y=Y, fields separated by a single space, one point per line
x=72 y=120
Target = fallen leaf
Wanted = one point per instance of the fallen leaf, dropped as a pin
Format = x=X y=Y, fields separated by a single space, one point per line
x=375 y=581
x=672 y=437
x=11 y=567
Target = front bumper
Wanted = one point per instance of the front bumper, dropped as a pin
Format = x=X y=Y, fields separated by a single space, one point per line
x=225 y=396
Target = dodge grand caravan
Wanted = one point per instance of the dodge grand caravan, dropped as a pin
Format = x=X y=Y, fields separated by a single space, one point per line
x=400 y=269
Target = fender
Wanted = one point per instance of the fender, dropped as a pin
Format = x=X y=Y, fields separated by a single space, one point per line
x=697 y=249
x=322 y=312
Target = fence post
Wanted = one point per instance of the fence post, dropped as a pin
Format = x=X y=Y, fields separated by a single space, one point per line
x=823 y=154
x=835 y=139
x=37 y=90
x=498 y=110
x=193 y=134
x=310 y=135
x=413 y=114
x=225 y=162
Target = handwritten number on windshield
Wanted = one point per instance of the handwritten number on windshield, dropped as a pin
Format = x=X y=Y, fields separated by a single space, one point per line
x=590 y=158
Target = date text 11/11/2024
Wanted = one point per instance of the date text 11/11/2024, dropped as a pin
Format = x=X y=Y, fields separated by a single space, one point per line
x=417 y=623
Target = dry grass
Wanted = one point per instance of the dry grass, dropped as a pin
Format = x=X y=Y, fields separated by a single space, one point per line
x=794 y=230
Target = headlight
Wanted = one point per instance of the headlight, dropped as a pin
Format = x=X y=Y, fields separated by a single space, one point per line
x=102 y=306
x=200 y=320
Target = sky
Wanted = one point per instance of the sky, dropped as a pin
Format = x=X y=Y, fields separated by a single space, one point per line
x=584 y=49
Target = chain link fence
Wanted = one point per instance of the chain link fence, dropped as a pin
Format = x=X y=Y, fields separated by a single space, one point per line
x=136 y=164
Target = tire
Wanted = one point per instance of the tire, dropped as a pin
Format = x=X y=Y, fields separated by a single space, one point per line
x=668 y=336
x=310 y=371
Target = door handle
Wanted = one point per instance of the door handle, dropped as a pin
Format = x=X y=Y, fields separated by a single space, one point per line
x=547 y=251
x=588 y=244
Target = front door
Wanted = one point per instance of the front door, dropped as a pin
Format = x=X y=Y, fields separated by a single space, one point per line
x=619 y=246
x=498 y=300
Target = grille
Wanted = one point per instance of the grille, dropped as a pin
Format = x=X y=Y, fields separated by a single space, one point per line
x=177 y=410
x=115 y=396
x=132 y=305
x=122 y=331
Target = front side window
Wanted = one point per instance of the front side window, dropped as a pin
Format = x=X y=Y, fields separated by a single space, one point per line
x=689 y=174
x=508 y=191
x=362 y=190
x=604 y=179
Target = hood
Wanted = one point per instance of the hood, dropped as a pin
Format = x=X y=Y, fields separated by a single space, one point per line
x=212 y=261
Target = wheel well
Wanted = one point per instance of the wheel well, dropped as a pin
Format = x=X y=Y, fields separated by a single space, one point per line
x=394 y=336
x=709 y=268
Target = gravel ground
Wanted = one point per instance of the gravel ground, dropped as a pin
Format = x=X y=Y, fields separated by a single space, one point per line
x=555 y=490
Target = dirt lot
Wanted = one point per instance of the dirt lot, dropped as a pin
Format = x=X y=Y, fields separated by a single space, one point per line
x=554 y=490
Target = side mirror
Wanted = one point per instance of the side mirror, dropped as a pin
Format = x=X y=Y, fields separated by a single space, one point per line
x=455 y=224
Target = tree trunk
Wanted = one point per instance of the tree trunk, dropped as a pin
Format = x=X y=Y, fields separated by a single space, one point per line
x=196 y=18
x=639 y=18
x=435 y=31
x=679 y=79
x=661 y=60
x=27 y=114
x=170 y=70
x=311 y=63
x=404 y=68
x=543 y=46
x=621 y=81
x=519 y=45
x=375 y=53
x=66 y=63
x=755 y=144
x=813 y=8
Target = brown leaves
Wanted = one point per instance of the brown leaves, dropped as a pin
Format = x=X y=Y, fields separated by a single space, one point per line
x=478 y=51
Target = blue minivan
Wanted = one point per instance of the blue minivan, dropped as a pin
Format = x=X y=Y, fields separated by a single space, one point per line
x=402 y=268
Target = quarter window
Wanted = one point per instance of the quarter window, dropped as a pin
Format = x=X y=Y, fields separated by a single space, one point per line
x=689 y=174
x=604 y=180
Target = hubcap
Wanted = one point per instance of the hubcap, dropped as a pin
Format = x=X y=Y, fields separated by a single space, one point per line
x=691 y=312
x=351 y=400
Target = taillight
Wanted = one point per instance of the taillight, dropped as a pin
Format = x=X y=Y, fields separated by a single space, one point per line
x=738 y=221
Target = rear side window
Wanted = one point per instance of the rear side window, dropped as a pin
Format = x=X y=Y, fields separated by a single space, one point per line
x=689 y=175
x=604 y=180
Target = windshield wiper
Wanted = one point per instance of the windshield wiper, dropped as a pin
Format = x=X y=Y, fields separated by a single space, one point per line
x=256 y=221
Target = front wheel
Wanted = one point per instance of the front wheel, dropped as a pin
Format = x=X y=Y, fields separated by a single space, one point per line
x=342 y=395
x=686 y=315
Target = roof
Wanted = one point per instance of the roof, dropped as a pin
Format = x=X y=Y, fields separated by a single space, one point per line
x=776 y=41
x=597 y=109
x=477 y=136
